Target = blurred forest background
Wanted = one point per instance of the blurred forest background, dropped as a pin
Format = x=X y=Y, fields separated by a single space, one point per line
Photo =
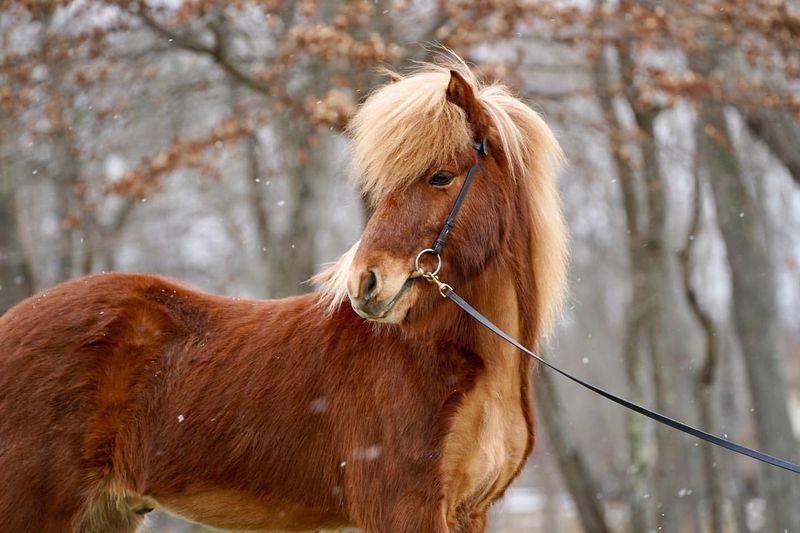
x=205 y=140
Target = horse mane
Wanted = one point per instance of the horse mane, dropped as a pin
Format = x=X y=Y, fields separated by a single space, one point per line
x=331 y=281
x=408 y=126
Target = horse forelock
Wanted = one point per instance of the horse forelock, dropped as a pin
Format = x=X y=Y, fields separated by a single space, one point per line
x=404 y=129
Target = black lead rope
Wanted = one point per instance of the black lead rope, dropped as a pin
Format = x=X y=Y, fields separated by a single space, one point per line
x=448 y=292
x=658 y=417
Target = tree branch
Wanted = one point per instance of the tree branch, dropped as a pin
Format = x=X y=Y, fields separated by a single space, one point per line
x=215 y=52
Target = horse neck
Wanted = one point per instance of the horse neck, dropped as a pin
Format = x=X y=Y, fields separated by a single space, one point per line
x=496 y=294
x=506 y=289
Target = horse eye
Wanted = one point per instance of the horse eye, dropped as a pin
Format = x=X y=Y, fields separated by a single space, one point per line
x=441 y=179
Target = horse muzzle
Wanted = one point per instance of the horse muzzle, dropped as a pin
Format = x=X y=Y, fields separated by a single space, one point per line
x=374 y=295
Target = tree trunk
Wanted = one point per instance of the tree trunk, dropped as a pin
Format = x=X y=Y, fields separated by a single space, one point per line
x=704 y=381
x=577 y=477
x=660 y=322
x=16 y=282
x=64 y=183
x=660 y=303
x=638 y=477
x=653 y=319
x=294 y=260
x=257 y=200
x=64 y=161
x=754 y=309
x=781 y=133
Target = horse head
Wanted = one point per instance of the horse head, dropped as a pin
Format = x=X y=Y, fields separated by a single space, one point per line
x=413 y=144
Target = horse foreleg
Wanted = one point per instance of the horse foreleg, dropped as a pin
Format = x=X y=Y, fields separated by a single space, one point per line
x=410 y=516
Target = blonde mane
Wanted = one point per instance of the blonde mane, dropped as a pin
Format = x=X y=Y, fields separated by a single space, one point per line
x=407 y=127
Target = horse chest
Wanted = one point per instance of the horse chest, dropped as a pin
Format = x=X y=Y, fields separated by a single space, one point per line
x=486 y=443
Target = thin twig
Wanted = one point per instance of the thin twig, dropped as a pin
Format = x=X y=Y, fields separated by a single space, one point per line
x=215 y=52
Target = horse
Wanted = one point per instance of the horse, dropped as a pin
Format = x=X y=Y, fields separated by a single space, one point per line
x=123 y=393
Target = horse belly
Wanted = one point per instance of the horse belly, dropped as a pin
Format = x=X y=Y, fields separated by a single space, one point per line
x=240 y=511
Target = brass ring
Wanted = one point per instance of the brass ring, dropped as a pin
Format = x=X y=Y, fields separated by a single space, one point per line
x=428 y=251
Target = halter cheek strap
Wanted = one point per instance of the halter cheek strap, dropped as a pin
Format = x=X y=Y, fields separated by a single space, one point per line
x=480 y=152
x=480 y=149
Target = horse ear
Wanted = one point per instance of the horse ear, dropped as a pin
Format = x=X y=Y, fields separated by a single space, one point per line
x=461 y=93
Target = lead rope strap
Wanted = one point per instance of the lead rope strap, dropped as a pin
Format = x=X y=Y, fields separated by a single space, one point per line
x=450 y=294
x=447 y=292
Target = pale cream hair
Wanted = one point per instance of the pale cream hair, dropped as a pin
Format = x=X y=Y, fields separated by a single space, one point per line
x=408 y=126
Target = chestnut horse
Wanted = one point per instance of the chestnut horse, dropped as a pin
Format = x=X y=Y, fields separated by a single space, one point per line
x=123 y=393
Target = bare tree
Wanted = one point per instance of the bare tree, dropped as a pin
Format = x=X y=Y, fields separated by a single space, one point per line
x=639 y=474
x=217 y=99
x=741 y=223
x=754 y=310
x=704 y=380
x=15 y=276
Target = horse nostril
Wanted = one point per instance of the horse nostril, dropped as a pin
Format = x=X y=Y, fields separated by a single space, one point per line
x=369 y=286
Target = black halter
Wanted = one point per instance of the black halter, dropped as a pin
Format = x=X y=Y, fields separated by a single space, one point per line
x=447 y=292
x=480 y=148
